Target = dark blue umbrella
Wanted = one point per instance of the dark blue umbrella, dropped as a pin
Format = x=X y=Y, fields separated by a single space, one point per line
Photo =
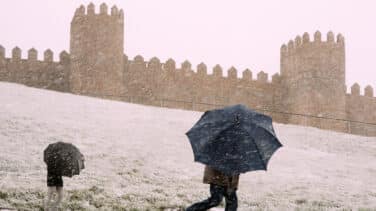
x=234 y=140
x=63 y=159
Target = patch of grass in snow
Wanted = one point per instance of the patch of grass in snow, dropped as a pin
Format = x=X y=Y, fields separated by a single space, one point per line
x=326 y=204
x=96 y=190
x=158 y=190
x=23 y=200
x=253 y=204
x=300 y=201
x=305 y=205
x=373 y=194
x=73 y=205
x=172 y=208
x=95 y=198
x=99 y=202
x=130 y=197
x=92 y=196
x=3 y=195
x=79 y=195
x=182 y=196
x=367 y=209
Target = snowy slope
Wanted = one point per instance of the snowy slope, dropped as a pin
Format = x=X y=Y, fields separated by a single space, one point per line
x=139 y=157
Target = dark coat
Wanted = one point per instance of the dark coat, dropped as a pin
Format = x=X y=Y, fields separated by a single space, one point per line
x=212 y=176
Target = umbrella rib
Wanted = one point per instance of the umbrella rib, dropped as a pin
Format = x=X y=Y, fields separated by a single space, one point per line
x=252 y=123
x=262 y=161
x=266 y=131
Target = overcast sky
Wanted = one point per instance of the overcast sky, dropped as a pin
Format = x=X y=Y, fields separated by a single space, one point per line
x=239 y=33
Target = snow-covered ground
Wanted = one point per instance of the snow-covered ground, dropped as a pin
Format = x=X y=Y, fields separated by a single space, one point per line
x=138 y=157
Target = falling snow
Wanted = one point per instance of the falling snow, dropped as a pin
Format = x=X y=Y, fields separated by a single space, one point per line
x=139 y=157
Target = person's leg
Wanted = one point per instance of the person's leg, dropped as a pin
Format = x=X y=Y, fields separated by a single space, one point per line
x=50 y=194
x=231 y=199
x=51 y=189
x=59 y=197
x=59 y=190
x=216 y=196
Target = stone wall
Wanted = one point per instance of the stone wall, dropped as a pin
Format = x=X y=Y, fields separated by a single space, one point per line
x=310 y=91
x=182 y=87
x=96 y=47
x=46 y=74
x=361 y=108
x=313 y=75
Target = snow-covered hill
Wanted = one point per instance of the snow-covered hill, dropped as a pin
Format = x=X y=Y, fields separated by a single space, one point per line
x=138 y=157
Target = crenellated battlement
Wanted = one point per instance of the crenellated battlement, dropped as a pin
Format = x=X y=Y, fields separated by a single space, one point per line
x=355 y=91
x=368 y=91
x=16 y=54
x=48 y=55
x=201 y=70
x=90 y=11
x=99 y=48
x=361 y=108
x=32 y=55
x=34 y=72
x=313 y=73
x=2 y=52
x=309 y=89
x=305 y=42
x=305 y=58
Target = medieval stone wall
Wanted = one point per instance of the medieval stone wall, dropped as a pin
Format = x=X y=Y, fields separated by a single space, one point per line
x=360 y=109
x=46 y=74
x=313 y=75
x=310 y=91
x=163 y=84
x=96 y=49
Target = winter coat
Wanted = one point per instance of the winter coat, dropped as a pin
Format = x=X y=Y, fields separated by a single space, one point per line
x=212 y=176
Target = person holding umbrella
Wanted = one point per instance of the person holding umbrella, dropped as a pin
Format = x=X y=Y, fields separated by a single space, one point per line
x=221 y=186
x=62 y=159
x=230 y=141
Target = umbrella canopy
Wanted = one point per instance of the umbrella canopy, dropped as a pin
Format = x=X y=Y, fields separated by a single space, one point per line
x=234 y=140
x=63 y=159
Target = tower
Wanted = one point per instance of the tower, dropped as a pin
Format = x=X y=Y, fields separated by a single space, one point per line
x=96 y=48
x=313 y=77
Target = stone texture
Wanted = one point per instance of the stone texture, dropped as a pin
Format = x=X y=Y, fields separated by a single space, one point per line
x=313 y=75
x=96 y=49
x=310 y=89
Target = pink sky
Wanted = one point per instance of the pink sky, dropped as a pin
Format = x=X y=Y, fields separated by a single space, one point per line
x=239 y=33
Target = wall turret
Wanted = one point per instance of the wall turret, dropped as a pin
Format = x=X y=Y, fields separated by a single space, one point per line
x=311 y=81
x=96 y=50
x=313 y=74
